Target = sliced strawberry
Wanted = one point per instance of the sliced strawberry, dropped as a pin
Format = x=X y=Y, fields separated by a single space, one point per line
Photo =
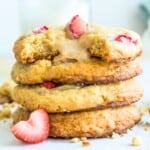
x=34 y=130
x=77 y=27
x=41 y=30
x=49 y=84
x=125 y=39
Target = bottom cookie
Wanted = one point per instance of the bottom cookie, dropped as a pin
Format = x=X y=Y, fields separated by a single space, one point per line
x=92 y=124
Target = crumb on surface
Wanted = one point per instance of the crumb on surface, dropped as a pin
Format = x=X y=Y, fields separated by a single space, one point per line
x=7 y=109
x=146 y=126
x=74 y=140
x=115 y=135
x=85 y=143
x=83 y=138
x=5 y=113
x=136 y=141
x=145 y=110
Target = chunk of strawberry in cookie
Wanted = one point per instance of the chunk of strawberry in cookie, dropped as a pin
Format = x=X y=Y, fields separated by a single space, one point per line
x=49 y=84
x=77 y=27
x=41 y=30
x=126 y=39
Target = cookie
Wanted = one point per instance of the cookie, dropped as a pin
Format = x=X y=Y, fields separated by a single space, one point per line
x=68 y=98
x=95 y=123
x=107 y=44
x=88 y=72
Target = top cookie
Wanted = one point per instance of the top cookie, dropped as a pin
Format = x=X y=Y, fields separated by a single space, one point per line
x=80 y=41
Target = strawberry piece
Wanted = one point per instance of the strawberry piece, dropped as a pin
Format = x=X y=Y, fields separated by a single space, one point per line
x=77 y=27
x=41 y=30
x=34 y=130
x=126 y=39
x=49 y=84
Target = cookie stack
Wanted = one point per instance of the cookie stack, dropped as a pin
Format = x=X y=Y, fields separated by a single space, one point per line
x=82 y=75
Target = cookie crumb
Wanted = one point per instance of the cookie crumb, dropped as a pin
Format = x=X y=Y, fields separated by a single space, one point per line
x=115 y=135
x=7 y=109
x=83 y=138
x=143 y=110
x=85 y=143
x=74 y=140
x=136 y=141
x=5 y=113
x=146 y=126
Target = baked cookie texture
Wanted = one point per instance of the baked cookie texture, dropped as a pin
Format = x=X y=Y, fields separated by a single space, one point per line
x=92 y=124
x=6 y=90
x=108 y=44
x=68 y=98
x=88 y=72
x=105 y=43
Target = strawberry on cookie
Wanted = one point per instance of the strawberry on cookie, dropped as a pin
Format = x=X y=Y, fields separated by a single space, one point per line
x=77 y=27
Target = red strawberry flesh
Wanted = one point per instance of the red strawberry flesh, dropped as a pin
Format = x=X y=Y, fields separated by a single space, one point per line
x=126 y=39
x=41 y=30
x=49 y=84
x=77 y=27
x=34 y=130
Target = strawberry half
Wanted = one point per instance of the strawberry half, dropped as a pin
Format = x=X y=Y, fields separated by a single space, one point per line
x=34 y=130
x=77 y=27
x=41 y=30
x=125 y=39
x=49 y=84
